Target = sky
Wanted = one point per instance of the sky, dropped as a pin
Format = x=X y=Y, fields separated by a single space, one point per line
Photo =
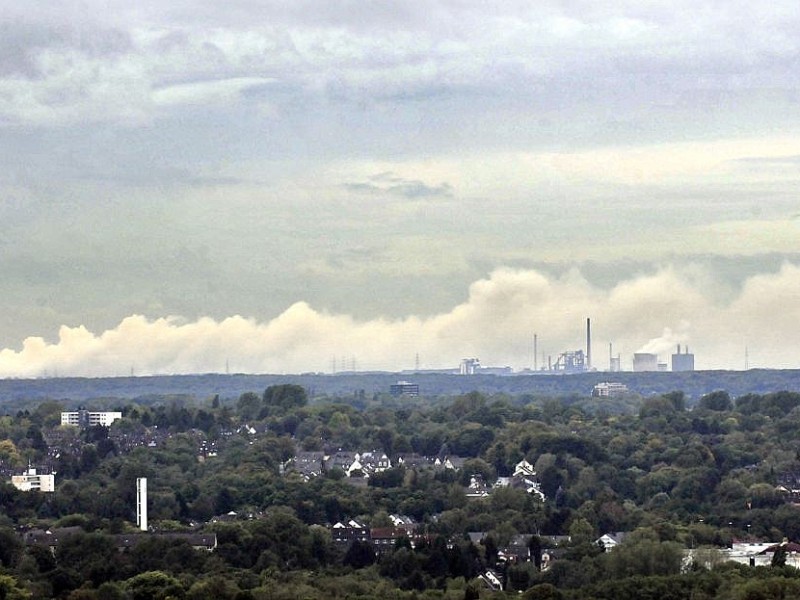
x=285 y=187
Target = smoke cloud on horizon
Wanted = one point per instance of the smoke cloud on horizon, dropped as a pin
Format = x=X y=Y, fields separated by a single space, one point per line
x=496 y=323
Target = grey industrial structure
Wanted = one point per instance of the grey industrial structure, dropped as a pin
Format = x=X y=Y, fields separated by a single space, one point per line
x=645 y=361
x=683 y=362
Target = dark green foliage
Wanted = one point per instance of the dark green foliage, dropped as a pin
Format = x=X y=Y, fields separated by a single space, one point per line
x=287 y=396
x=389 y=478
x=154 y=585
x=542 y=591
x=719 y=401
x=779 y=557
x=359 y=555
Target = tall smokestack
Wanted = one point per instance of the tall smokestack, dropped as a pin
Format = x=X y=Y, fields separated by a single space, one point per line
x=141 y=503
x=535 y=350
x=588 y=344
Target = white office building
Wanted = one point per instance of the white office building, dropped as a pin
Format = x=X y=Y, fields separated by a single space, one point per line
x=30 y=480
x=88 y=418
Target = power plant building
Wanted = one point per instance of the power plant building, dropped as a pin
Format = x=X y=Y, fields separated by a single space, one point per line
x=682 y=362
x=469 y=366
x=571 y=362
x=644 y=361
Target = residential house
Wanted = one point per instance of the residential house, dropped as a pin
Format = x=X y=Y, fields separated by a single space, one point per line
x=53 y=538
x=518 y=548
x=518 y=482
x=372 y=462
x=345 y=533
x=477 y=487
x=403 y=521
x=609 y=541
x=346 y=461
x=524 y=469
x=308 y=464
x=451 y=462
x=385 y=538
x=491 y=579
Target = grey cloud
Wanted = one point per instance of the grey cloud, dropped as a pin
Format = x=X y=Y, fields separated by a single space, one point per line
x=390 y=184
x=417 y=52
x=793 y=160
x=321 y=90
x=22 y=41
x=163 y=176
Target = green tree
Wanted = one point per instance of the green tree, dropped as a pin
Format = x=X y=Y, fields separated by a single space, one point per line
x=287 y=396
x=11 y=590
x=248 y=406
x=718 y=401
x=779 y=557
x=154 y=585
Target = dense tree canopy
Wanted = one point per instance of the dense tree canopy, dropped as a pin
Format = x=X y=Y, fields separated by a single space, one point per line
x=677 y=477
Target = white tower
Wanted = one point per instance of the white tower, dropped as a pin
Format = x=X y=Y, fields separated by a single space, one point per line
x=141 y=503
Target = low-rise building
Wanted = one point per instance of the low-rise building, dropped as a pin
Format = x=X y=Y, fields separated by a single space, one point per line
x=609 y=541
x=30 y=481
x=609 y=389
x=404 y=388
x=53 y=538
x=346 y=533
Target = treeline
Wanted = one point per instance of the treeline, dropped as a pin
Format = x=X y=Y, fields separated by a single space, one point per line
x=676 y=477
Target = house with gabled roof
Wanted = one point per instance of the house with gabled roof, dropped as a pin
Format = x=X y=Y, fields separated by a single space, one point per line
x=477 y=487
x=372 y=462
x=308 y=464
x=524 y=469
x=609 y=541
x=451 y=462
x=345 y=533
x=403 y=521
x=344 y=460
x=518 y=482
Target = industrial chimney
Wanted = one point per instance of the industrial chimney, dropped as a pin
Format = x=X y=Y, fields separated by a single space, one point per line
x=588 y=344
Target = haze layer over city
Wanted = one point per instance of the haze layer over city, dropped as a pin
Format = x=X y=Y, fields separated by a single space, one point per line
x=280 y=187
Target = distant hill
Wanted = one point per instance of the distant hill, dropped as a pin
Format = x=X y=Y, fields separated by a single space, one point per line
x=693 y=384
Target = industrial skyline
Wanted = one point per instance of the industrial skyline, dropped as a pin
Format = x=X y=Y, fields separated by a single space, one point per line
x=268 y=185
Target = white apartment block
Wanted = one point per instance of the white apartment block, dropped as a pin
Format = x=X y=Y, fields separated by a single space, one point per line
x=87 y=418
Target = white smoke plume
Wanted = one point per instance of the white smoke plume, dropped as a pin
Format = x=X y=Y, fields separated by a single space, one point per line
x=666 y=343
x=496 y=323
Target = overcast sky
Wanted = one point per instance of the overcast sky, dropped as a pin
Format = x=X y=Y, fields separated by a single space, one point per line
x=280 y=185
